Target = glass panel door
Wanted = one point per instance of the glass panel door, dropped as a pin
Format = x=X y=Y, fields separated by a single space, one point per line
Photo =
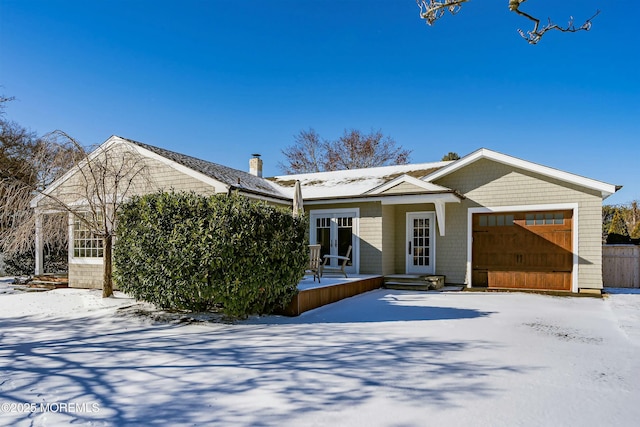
x=420 y=243
x=323 y=235
x=335 y=232
x=345 y=237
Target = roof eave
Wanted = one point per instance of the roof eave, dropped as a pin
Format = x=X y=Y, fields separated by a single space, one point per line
x=264 y=196
x=483 y=153
x=381 y=198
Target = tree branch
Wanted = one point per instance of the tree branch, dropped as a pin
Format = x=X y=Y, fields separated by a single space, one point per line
x=534 y=36
x=432 y=10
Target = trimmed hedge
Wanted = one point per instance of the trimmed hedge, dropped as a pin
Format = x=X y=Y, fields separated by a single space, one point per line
x=189 y=252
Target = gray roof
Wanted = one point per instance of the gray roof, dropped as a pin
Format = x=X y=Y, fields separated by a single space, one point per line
x=236 y=179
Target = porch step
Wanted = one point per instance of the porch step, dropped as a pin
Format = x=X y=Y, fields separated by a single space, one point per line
x=49 y=281
x=413 y=282
x=45 y=284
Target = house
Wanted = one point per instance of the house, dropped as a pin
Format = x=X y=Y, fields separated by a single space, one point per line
x=487 y=219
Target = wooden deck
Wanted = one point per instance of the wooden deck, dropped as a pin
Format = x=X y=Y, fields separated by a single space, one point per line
x=314 y=296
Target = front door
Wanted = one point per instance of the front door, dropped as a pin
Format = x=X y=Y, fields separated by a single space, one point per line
x=420 y=243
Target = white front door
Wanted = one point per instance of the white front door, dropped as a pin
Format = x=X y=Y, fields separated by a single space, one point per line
x=420 y=245
x=335 y=231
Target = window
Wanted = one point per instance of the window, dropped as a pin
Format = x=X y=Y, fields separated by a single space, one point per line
x=85 y=243
x=547 y=218
x=499 y=220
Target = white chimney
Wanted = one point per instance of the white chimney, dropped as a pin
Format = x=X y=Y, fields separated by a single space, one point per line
x=255 y=165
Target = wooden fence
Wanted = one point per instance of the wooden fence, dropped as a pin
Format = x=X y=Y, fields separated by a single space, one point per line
x=621 y=266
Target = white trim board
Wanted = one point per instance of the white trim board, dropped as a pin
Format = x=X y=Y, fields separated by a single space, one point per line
x=523 y=208
x=427 y=186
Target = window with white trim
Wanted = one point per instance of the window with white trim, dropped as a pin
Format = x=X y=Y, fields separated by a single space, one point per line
x=85 y=243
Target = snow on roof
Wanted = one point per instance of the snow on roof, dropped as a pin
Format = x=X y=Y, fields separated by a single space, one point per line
x=352 y=182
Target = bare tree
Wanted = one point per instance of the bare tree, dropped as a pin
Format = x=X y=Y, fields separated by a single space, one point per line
x=355 y=150
x=24 y=173
x=27 y=165
x=352 y=150
x=306 y=155
x=432 y=10
x=92 y=194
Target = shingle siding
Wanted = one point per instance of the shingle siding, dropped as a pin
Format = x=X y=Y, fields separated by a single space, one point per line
x=400 y=233
x=85 y=276
x=451 y=249
x=370 y=233
x=165 y=178
x=388 y=239
x=371 y=238
x=492 y=184
x=159 y=176
x=404 y=188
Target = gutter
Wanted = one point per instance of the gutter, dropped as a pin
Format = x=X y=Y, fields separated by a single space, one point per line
x=283 y=200
x=369 y=198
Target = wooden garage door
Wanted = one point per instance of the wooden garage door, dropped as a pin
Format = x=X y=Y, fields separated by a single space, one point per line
x=523 y=250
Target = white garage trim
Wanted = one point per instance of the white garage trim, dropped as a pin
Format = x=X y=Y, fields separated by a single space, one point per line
x=524 y=208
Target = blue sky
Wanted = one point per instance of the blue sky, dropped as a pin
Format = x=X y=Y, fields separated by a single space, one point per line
x=221 y=80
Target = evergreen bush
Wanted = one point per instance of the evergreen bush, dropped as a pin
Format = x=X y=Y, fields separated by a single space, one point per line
x=635 y=233
x=189 y=252
x=23 y=263
x=618 y=233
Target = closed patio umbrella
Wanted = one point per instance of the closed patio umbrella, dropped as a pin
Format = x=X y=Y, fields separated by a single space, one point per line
x=297 y=199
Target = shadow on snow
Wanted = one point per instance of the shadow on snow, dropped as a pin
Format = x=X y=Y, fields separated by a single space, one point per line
x=261 y=372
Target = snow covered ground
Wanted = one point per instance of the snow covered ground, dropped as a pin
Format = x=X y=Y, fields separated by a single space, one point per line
x=385 y=358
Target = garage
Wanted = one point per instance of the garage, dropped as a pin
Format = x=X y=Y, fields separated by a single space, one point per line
x=523 y=250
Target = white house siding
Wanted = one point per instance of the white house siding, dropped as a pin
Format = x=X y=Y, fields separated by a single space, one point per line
x=388 y=239
x=159 y=176
x=165 y=178
x=394 y=229
x=86 y=276
x=492 y=184
x=451 y=249
x=371 y=238
x=404 y=188
x=400 y=233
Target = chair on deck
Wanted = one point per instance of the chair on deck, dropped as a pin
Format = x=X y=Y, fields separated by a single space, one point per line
x=314 y=262
x=342 y=261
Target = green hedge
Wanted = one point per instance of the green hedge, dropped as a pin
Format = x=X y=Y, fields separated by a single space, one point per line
x=23 y=263
x=189 y=252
